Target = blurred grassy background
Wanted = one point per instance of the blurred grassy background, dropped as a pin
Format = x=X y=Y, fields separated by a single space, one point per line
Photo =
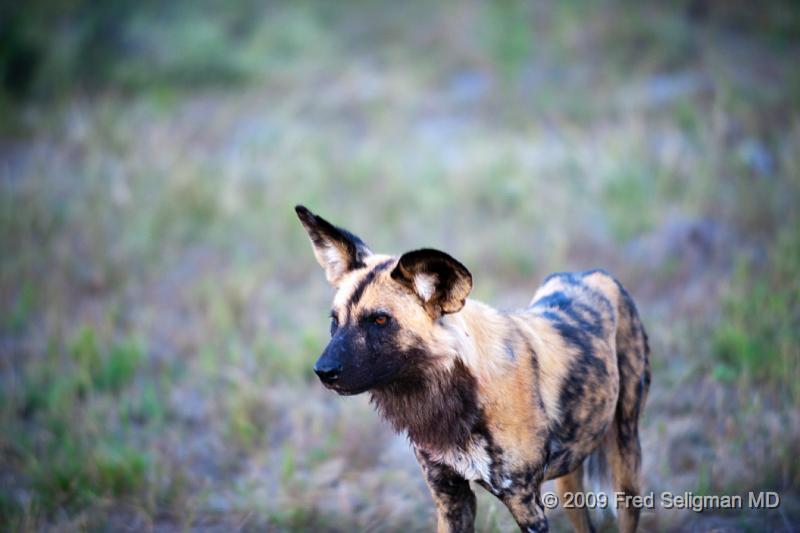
x=160 y=308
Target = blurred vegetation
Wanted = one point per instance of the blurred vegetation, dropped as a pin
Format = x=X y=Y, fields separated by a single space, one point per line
x=759 y=334
x=52 y=48
x=160 y=308
x=84 y=447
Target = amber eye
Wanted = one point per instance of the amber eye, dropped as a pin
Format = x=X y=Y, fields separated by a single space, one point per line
x=381 y=320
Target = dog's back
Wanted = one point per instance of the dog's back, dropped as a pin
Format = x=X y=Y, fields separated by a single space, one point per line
x=607 y=379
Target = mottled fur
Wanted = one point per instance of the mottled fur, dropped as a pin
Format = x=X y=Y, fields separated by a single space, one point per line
x=504 y=399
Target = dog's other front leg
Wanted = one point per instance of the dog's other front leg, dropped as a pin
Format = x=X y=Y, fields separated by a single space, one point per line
x=455 y=501
x=526 y=508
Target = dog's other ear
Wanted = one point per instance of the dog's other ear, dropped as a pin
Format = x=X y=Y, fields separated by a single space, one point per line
x=336 y=249
x=441 y=282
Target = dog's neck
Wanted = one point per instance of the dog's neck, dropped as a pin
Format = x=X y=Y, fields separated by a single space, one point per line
x=471 y=336
x=439 y=407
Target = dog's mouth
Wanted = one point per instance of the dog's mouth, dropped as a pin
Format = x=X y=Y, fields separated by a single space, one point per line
x=350 y=390
x=345 y=391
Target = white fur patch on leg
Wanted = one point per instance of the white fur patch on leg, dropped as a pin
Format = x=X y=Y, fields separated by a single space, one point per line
x=472 y=463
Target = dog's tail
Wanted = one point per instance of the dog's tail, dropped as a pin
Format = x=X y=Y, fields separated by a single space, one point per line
x=595 y=472
x=596 y=477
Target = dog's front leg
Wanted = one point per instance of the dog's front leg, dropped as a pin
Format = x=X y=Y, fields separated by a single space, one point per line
x=455 y=501
x=526 y=507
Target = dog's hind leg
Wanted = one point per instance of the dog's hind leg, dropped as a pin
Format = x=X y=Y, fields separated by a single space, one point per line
x=624 y=459
x=578 y=516
x=621 y=445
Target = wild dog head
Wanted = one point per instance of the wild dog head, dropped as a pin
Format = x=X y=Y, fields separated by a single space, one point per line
x=384 y=310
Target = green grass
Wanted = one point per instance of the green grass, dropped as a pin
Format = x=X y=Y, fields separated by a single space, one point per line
x=100 y=370
x=758 y=338
x=22 y=308
x=248 y=418
x=75 y=443
x=629 y=199
x=74 y=473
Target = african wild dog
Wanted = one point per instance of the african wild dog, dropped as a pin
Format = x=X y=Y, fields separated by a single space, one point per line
x=505 y=399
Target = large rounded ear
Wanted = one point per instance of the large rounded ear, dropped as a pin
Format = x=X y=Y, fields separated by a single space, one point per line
x=337 y=250
x=441 y=282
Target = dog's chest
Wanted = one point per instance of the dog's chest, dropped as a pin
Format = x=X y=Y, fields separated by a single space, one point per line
x=472 y=463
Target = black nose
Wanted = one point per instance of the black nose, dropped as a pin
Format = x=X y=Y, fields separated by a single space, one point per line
x=328 y=374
